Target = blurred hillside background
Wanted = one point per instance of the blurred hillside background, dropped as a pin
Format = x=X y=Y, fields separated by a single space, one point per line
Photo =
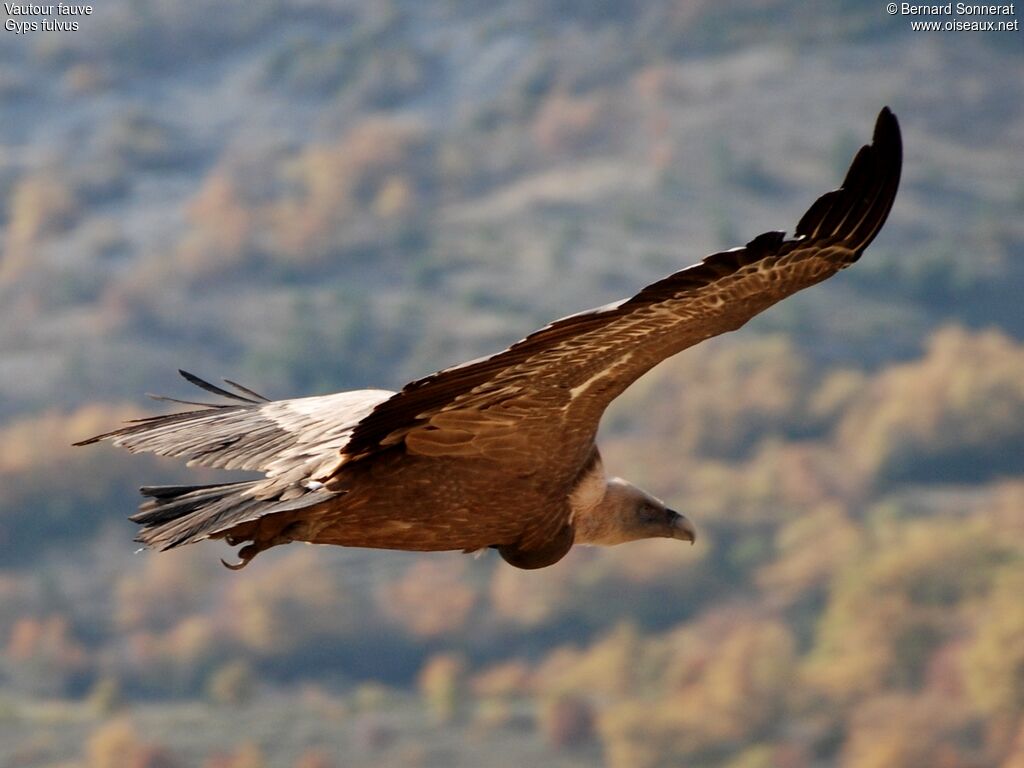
x=324 y=194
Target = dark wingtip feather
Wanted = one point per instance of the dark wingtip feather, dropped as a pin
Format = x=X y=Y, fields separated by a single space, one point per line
x=247 y=391
x=854 y=213
x=191 y=378
x=887 y=145
x=144 y=423
x=886 y=127
x=767 y=242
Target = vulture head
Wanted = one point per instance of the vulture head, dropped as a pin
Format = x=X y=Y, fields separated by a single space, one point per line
x=627 y=513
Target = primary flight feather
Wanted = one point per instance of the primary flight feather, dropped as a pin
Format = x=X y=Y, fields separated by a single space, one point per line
x=498 y=452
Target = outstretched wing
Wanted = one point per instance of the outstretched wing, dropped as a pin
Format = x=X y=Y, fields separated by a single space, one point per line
x=547 y=392
x=293 y=442
x=295 y=439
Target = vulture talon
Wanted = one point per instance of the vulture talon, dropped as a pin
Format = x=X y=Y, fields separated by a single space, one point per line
x=245 y=554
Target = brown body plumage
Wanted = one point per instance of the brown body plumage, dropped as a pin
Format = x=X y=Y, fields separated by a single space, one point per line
x=498 y=452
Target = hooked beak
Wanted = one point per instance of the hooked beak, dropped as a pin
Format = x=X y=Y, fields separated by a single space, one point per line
x=682 y=528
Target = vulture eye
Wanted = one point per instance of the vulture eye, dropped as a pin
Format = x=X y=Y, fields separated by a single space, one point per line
x=649 y=513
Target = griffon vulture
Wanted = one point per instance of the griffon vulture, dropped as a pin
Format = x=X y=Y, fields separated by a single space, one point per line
x=498 y=452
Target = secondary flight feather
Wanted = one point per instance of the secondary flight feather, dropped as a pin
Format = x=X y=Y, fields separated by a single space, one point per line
x=498 y=452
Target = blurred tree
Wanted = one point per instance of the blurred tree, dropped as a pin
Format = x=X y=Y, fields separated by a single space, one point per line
x=442 y=683
x=372 y=733
x=612 y=667
x=167 y=589
x=566 y=721
x=507 y=679
x=902 y=730
x=994 y=660
x=391 y=75
x=725 y=396
x=566 y=124
x=222 y=235
x=771 y=756
x=47 y=509
x=749 y=678
x=372 y=697
x=732 y=690
x=501 y=693
x=86 y=79
x=432 y=598
x=394 y=199
x=958 y=413
x=116 y=744
x=495 y=713
x=636 y=734
x=809 y=549
x=337 y=185
x=43 y=655
x=315 y=758
x=149 y=756
x=232 y=684
x=40 y=205
x=530 y=598
x=144 y=142
x=106 y=696
x=173 y=661
x=248 y=755
x=1015 y=747
x=293 y=602
x=890 y=609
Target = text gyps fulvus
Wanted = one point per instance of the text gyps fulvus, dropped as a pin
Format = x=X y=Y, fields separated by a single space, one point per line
x=498 y=452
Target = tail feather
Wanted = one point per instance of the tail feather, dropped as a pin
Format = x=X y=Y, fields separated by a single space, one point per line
x=288 y=440
x=181 y=514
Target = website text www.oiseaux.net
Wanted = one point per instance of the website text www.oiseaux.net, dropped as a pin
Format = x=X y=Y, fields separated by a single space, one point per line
x=960 y=17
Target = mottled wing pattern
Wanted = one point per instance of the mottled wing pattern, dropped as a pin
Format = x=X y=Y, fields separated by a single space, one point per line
x=559 y=380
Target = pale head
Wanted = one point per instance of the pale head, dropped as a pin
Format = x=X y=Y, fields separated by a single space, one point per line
x=626 y=513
